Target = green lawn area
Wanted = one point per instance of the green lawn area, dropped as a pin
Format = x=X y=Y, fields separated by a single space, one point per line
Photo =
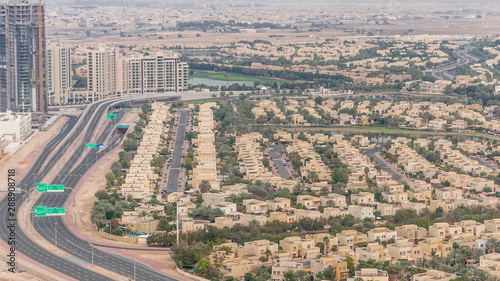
x=378 y=128
x=360 y=128
x=222 y=76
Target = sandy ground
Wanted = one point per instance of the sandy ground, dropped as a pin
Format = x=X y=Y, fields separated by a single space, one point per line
x=163 y=259
x=25 y=155
x=433 y=26
x=18 y=276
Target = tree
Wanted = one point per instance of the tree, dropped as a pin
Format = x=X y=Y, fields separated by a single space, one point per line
x=492 y=244
x=326 y=242
x=298 y=275
x=130 y=145
x=324 y=190
x=327 y=274
x=206 y=213
x=202 y=267
x=265 y=162
x=395 y=269
x=318 y=100
x=312 y=176
x=261 y=119
x=204 y=186
x=102 y=195
x=110 y=179
x=350 y=266
x=268 y=254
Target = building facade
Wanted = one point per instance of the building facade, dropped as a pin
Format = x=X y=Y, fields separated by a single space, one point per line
x=15 y=126
x=58 y=75
x=109 y=74
x=22 y=51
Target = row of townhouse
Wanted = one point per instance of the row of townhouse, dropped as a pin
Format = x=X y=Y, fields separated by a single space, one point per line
x=267 y=106
x=464 y=181
x=250 y=155
x=445 y=114
x=141 y=179
x=412 y=161
x=245 y=258
x=456 y=159
x=312 y=160
x=205 y=153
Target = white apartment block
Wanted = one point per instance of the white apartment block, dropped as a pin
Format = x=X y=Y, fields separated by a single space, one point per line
x=109 y=74
x=58 y=75
x=15 y=126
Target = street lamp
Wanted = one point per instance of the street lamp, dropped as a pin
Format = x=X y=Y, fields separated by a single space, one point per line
x=177 y=212
x=92 y=251
x=55 y=235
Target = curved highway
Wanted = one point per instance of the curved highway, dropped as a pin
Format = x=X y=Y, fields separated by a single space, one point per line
x=88 y=123
x=463 y=57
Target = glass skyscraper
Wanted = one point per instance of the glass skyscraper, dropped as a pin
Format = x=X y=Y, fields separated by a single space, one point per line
x=22 y=48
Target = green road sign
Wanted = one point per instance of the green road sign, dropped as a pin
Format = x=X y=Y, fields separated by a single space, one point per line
x=40 y=211
x=111 y=116
x=90 y=145
x=43 y=187
x=56 y=211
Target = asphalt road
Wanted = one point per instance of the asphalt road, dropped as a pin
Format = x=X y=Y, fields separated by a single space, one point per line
x=50 y=227
x=371 y=152
x=80 y=249
x=174 y=171
x=278 y=161
x=445 y=72
x=22 y=243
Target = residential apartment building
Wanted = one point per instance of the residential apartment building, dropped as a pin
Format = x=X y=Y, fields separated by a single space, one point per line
x=58 y=75
x=371 y=274
x=15 y=126
x=279 y=269
x=109 y=74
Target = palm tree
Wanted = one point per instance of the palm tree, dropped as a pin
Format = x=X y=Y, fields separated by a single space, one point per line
x=476 y=253
x=434 y=262
x=395 y=269
x=301 y=275
x=204 y=186
x=269 y=254
x=330 y=203
x=326 y=242
x=312 y=176
x=477 y=274
x=491 y=245
x=422 y=262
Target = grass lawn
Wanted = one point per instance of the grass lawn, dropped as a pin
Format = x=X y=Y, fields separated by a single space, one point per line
x=378 y=128
x=222 y=76
x=360 y=128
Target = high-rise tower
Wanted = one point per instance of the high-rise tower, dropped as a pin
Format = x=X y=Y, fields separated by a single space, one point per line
x=22 y=51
